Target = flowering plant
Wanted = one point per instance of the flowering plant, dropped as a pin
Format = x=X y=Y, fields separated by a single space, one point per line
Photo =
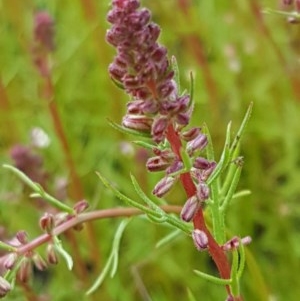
x=159 y=113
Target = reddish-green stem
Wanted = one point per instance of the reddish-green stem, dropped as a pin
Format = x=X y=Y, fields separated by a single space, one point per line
x=87 y=217
x=214 y=249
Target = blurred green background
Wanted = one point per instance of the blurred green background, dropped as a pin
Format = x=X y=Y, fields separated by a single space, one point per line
x=237 y=55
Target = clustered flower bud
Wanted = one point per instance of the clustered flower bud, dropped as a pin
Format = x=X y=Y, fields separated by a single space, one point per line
x=143 y=68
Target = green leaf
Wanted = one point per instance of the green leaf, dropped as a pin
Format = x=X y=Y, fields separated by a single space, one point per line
x=144 y=144
x=233 y=185
x=113 y=259
x=213 y=279
x=165 y=240
x=125 y=198
x=224 y=157
x=39 y=191
x=241 y=130
x=124 y=130
x=59 y=248
x=175 y=68
x=7 y=247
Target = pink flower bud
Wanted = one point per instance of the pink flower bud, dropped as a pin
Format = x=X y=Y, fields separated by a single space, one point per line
x=139 y=122
x=81 y=206
x=196 y=144
x=10 y=260
x=159 y=128
x=202 y=191
x=44 y=30
x=52 y=254
x=39 y=262
x=164 y=186
x=234 y=242
x=189 y=209
x=157 y=164
x=22 y=237
x=25 y=270
x=176 y=166
x=47 y=222
x=5 y=287
x=191 y=134
x=200 y=239
x=201 y=163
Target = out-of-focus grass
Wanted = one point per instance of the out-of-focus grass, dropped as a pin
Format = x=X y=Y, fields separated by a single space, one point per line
x=237 y=55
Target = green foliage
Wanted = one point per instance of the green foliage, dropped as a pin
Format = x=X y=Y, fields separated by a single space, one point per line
x=236 y=56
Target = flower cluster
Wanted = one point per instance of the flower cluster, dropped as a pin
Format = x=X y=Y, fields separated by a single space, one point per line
x=143 y=69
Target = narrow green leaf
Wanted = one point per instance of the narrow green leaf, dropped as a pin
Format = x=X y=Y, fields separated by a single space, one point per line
x=7 y=247
x=192 y=87
x=232 y=188
x=118 y=84
x=59 y=248
x=144 y=144
x=242 y=128
x=165 y=240
x=213 y=279
x=101 y=277
x=224 y=157
x=145 y=198
x=234 y=268
x=175 y=68
x=209 y=148
x=242 y=260
x=124 y=130
x=116 y=245
x=186 y=160
x=39 y=191
x=125 y=198
x=190 y=295
x=241 y=193
x=112 y=261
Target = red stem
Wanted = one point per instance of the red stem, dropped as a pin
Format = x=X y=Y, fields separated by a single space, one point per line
x=218 y=255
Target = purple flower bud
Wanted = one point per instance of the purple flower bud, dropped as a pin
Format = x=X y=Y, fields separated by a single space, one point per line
x=202 y=192
x=159 y=128
x=116 y=72
x=22 y=237
x=139 y=122
x=81 y=206
x=164 y=186
x=200 y=239
x=39 y=262
x=159 y=54
x=198 y=143
x=157 y=164
x=190 y=134
x=288 y=2
x=44 y=30
x=131 y=82
x=25 y=270
x=202 y=163
x=47 y=222
x=189 y=209
x=176 y=166
x=166 y=154
x=5 y=287
x=234 y=243
x=165 y=89
x=10 y=261
x=52 y=254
